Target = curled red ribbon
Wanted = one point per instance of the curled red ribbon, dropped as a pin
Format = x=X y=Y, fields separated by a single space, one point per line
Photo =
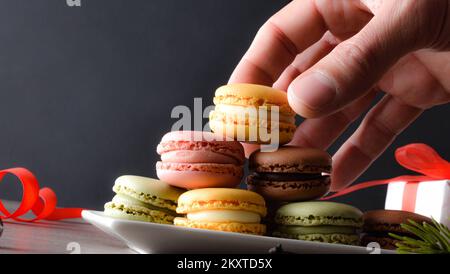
x=420 y=158
x=41 y=201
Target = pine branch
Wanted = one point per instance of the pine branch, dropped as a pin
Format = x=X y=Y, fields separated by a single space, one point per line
x=431 y=238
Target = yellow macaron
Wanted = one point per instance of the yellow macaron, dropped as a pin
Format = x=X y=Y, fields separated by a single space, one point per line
x=252 y=113
x=224 y=209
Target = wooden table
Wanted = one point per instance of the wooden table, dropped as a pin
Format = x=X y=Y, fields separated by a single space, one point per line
x=71 y=236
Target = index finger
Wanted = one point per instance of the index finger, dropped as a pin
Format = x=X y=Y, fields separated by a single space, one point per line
x=290 y=31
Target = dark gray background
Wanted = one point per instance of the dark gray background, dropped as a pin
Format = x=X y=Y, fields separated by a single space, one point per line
x=86 y=93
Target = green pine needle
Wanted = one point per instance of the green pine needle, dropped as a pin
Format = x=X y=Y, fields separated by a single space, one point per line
x=432 y=238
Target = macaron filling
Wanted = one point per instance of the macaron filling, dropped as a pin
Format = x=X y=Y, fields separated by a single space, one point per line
x=137 y=213
x=198 y=156
x=289 y=186
x=123 y=206
x=120 y=199
x=224 y=216
x=255 y=112
x=227 y=121
x=229 y=169
x=312 y=220
x=325 y=229
x=145 y=197
x=282 y=177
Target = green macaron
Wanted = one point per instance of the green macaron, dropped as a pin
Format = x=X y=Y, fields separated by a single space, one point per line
x=143 y=199
x=319 y=221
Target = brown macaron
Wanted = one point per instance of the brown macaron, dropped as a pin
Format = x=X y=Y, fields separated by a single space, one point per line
x=379 y=223
x=290 y=174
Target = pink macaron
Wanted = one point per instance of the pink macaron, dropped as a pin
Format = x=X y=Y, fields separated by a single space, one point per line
x=195 y=159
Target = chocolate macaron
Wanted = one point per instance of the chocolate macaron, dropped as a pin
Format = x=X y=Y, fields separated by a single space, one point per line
x=290 y=174
x=379 y=223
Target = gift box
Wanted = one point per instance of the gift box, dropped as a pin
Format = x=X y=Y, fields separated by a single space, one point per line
x=428 y=198
x=427 y=193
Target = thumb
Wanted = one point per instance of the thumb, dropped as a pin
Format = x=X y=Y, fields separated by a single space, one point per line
x=355 y=65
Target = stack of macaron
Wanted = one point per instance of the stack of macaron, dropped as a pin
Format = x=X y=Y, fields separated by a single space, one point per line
x=211 y=167
x=286 y=175
x=290 y=174
x=211 y=164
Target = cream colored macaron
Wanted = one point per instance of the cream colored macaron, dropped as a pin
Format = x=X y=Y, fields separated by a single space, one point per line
x=224 y=209
x=252 y=113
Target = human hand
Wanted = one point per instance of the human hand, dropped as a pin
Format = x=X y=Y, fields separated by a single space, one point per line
x=332 y=56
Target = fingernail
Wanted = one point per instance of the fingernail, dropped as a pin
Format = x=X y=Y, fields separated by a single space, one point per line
x=313 y=90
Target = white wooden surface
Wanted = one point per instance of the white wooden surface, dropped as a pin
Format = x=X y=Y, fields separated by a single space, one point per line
x=71 y=236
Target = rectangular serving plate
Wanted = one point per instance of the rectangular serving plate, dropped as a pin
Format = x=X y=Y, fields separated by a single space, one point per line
x=146 y=238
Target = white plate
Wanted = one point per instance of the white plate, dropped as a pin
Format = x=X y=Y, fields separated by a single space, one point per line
x=146 y=237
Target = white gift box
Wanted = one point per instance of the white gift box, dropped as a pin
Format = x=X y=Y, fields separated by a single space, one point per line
x=428 y=198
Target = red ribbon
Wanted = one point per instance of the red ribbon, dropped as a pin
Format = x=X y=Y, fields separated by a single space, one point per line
x=410 y=196
x=420 y=158
x=42 y=202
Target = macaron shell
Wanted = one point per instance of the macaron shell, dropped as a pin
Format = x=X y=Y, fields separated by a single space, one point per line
x=392 y=217
x=347 y=239
x=197 y=179
x=290 y=191
x=192 y=176
x=247 y=228
x=290 y=159
x=201 y=142
x=252 y=95
x=221 y=198
x=324 y=229
x=319 y=213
